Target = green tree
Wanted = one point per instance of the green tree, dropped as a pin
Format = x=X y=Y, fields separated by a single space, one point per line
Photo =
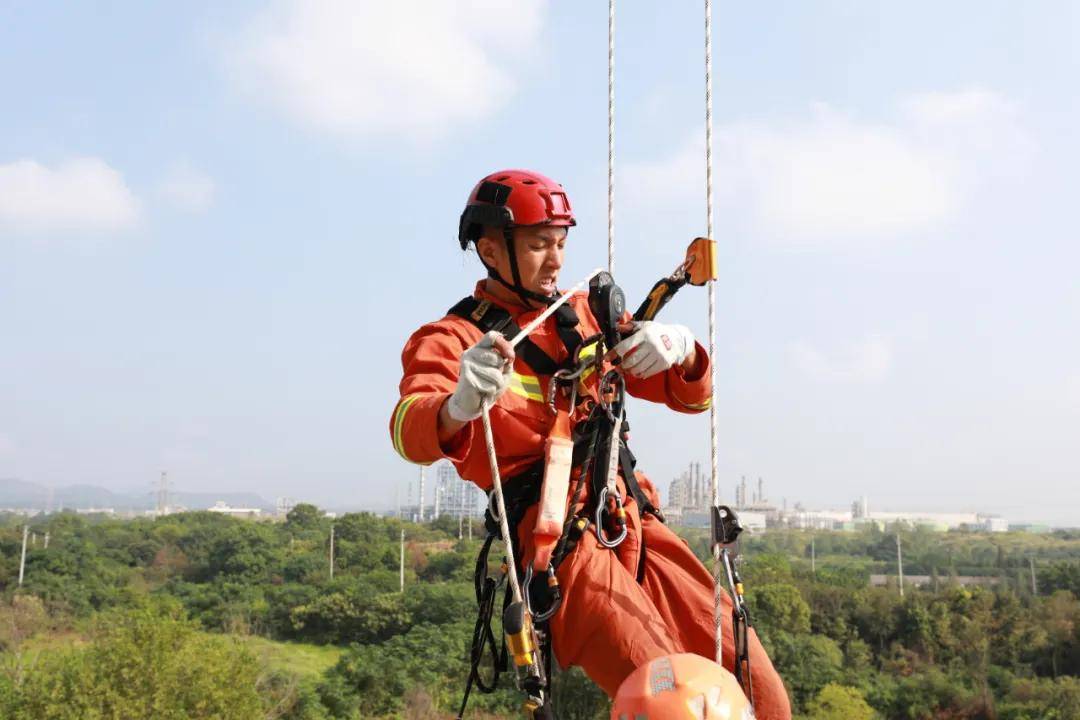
x=377 y=677
x=779 y=606
x=838 y=702
x=807 y=663
x=143 y=663
x=304 y=517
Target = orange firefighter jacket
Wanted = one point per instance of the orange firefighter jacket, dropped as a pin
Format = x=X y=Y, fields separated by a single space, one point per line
x=521 y=419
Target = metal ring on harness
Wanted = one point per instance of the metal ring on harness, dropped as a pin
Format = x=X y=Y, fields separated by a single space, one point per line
x=601 y=508
x=556 y=594
x=565 y=377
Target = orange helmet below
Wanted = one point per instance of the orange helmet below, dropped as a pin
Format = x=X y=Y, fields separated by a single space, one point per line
x=678 y=687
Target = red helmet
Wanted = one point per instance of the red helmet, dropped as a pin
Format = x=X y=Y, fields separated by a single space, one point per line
x=510 y=198
x=681 y=687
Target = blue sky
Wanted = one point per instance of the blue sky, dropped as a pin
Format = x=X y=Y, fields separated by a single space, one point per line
x=220 y=222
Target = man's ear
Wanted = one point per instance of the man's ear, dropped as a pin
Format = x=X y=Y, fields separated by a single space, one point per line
x=488 y=249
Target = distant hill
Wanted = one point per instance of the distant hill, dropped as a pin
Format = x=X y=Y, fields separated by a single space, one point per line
x=20 y=494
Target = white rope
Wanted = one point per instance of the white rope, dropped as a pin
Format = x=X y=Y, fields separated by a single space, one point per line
x=500 y=503
x=489 y=439
x=714 y=452
x=611 y=138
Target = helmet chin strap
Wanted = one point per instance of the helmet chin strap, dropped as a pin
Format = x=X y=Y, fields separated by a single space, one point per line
x=516 y=286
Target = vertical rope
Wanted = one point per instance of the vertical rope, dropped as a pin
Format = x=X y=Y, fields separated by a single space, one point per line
x=500 y=503
x=611 y=138
x=714 y=453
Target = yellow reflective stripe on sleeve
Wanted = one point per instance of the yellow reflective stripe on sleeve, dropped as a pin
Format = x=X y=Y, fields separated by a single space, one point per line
x=696 y=406
x=527 y=386
x=399 y=422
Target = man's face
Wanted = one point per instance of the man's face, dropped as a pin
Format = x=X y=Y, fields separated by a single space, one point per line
x=539 y=250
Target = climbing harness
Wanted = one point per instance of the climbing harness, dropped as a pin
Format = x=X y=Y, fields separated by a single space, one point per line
x=596 y=447
x=520 y=632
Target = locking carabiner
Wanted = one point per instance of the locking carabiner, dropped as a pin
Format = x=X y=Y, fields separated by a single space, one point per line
x=563 y=376
x=553 y=587
x=620 y=518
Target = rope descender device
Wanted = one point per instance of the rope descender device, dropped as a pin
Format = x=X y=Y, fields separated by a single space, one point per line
x=726 y=529
x=522 y=642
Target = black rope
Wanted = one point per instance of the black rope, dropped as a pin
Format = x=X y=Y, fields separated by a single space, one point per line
x=483 y=637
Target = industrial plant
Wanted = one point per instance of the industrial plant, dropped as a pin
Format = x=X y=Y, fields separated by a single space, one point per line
x=689 y=500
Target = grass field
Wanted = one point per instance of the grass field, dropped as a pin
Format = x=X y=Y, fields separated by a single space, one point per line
x=301 y=658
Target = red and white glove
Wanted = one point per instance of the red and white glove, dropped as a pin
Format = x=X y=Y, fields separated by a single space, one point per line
x=654 y=347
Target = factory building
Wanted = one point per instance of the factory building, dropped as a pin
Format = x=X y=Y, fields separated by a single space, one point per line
x=690 y=498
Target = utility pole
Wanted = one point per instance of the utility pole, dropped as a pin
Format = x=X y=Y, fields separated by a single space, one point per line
x=421 y=513
x=402 y=572
x=331 y=552
x=22 y=561
x=472 y=508
x=46 y=547
x=1034 y=587
x=900 y=563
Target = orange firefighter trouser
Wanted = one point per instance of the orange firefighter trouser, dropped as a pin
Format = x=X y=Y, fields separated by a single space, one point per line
x=609 y=624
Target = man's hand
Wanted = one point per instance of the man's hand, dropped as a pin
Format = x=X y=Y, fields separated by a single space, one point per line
x=484 y=375
x=655 y=347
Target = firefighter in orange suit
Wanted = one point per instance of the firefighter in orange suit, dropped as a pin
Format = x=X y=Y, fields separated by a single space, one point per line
x=621 y=607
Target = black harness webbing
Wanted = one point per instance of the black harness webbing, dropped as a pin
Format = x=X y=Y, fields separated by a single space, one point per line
x=488 y=316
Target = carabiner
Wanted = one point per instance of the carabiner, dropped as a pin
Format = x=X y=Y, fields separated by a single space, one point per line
x=563 y=376
x=620 y=519
x=491 y=506
x=553 y=586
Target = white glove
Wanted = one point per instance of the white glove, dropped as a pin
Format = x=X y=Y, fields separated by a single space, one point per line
x=654 y=347
x=484 y=374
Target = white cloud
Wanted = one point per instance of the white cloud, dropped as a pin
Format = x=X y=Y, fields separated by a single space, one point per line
x=188 y=189
x=830 y=179
x=83 y=194
x=867 y=361
x=416 y=69
x=975 y=135
x=7 y=445
x=836 y=177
